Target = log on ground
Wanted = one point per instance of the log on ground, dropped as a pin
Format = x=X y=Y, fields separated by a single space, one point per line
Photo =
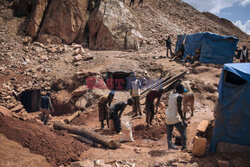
x=89 y=134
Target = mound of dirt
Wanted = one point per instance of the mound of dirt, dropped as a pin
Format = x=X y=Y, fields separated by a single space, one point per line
x=58 y=148
x=154 y=133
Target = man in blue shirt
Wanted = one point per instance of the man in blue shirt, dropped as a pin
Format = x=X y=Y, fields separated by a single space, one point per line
x=46 y=107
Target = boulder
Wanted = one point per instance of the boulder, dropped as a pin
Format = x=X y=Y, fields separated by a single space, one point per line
x=5 y=111
x=112 y=26
x=62 y=102
x=65 y=20
x=36 y=17
x=80 y=91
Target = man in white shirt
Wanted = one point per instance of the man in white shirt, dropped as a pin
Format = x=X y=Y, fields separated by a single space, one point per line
x=135 y=93
x=174 y=117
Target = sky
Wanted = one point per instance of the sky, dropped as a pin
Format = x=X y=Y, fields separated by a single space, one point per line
x=237 y=11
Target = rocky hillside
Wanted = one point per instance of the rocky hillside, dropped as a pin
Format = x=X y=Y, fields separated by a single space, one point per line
x=113 y=24
x=227 y=25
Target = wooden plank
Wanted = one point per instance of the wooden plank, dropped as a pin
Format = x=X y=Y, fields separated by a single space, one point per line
x=165 y=85
x=202 y=127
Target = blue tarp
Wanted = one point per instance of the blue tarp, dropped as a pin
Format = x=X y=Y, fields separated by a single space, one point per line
x=232 y=124
x=214 y=48
x=180 y=40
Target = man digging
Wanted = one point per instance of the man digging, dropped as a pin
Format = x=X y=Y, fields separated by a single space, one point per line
x=116 y=111
x=103 y=107
x=150 y=107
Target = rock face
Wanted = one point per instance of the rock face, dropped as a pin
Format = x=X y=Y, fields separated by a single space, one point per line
x=64 y=19
x=36 y=17
x=113 y=27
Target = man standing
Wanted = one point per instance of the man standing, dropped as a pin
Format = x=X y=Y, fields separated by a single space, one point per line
x=115 y=113
x=244 y=55
x=140 y=3
x=132 y=2
x=46 y=107
x=136 y=92
x=103 y=107
x=168 y=45
x=174 y=117
x=150 y=107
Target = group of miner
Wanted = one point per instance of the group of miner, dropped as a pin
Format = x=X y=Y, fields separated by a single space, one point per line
x=174 y=114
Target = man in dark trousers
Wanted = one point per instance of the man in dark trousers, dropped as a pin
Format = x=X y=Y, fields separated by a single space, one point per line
x=132 y=2
x=103 y=107
x=46 y=107
x=175 y=118
x=244 y=55
x=136 y=92
x=115 y=113
x=150 y=107
x=140 y=3
x=168 y=45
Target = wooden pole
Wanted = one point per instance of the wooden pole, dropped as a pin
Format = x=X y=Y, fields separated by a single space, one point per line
x=167 y=83
x=155 y=84
x=89 y=134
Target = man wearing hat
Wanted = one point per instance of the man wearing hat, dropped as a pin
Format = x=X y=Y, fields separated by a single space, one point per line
x=103 y=107
x=45 y=106
x=168 y=45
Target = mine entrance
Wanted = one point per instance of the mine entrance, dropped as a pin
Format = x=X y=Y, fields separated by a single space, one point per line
x=118 y=80
x=30 y=100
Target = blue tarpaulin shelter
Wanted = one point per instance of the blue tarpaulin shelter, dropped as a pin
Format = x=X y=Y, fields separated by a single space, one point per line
x=232 y=123
x=214 y=48
x=180 y=41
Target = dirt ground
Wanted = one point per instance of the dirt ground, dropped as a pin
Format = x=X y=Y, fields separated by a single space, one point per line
x=57 y=147
x=14 y=155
